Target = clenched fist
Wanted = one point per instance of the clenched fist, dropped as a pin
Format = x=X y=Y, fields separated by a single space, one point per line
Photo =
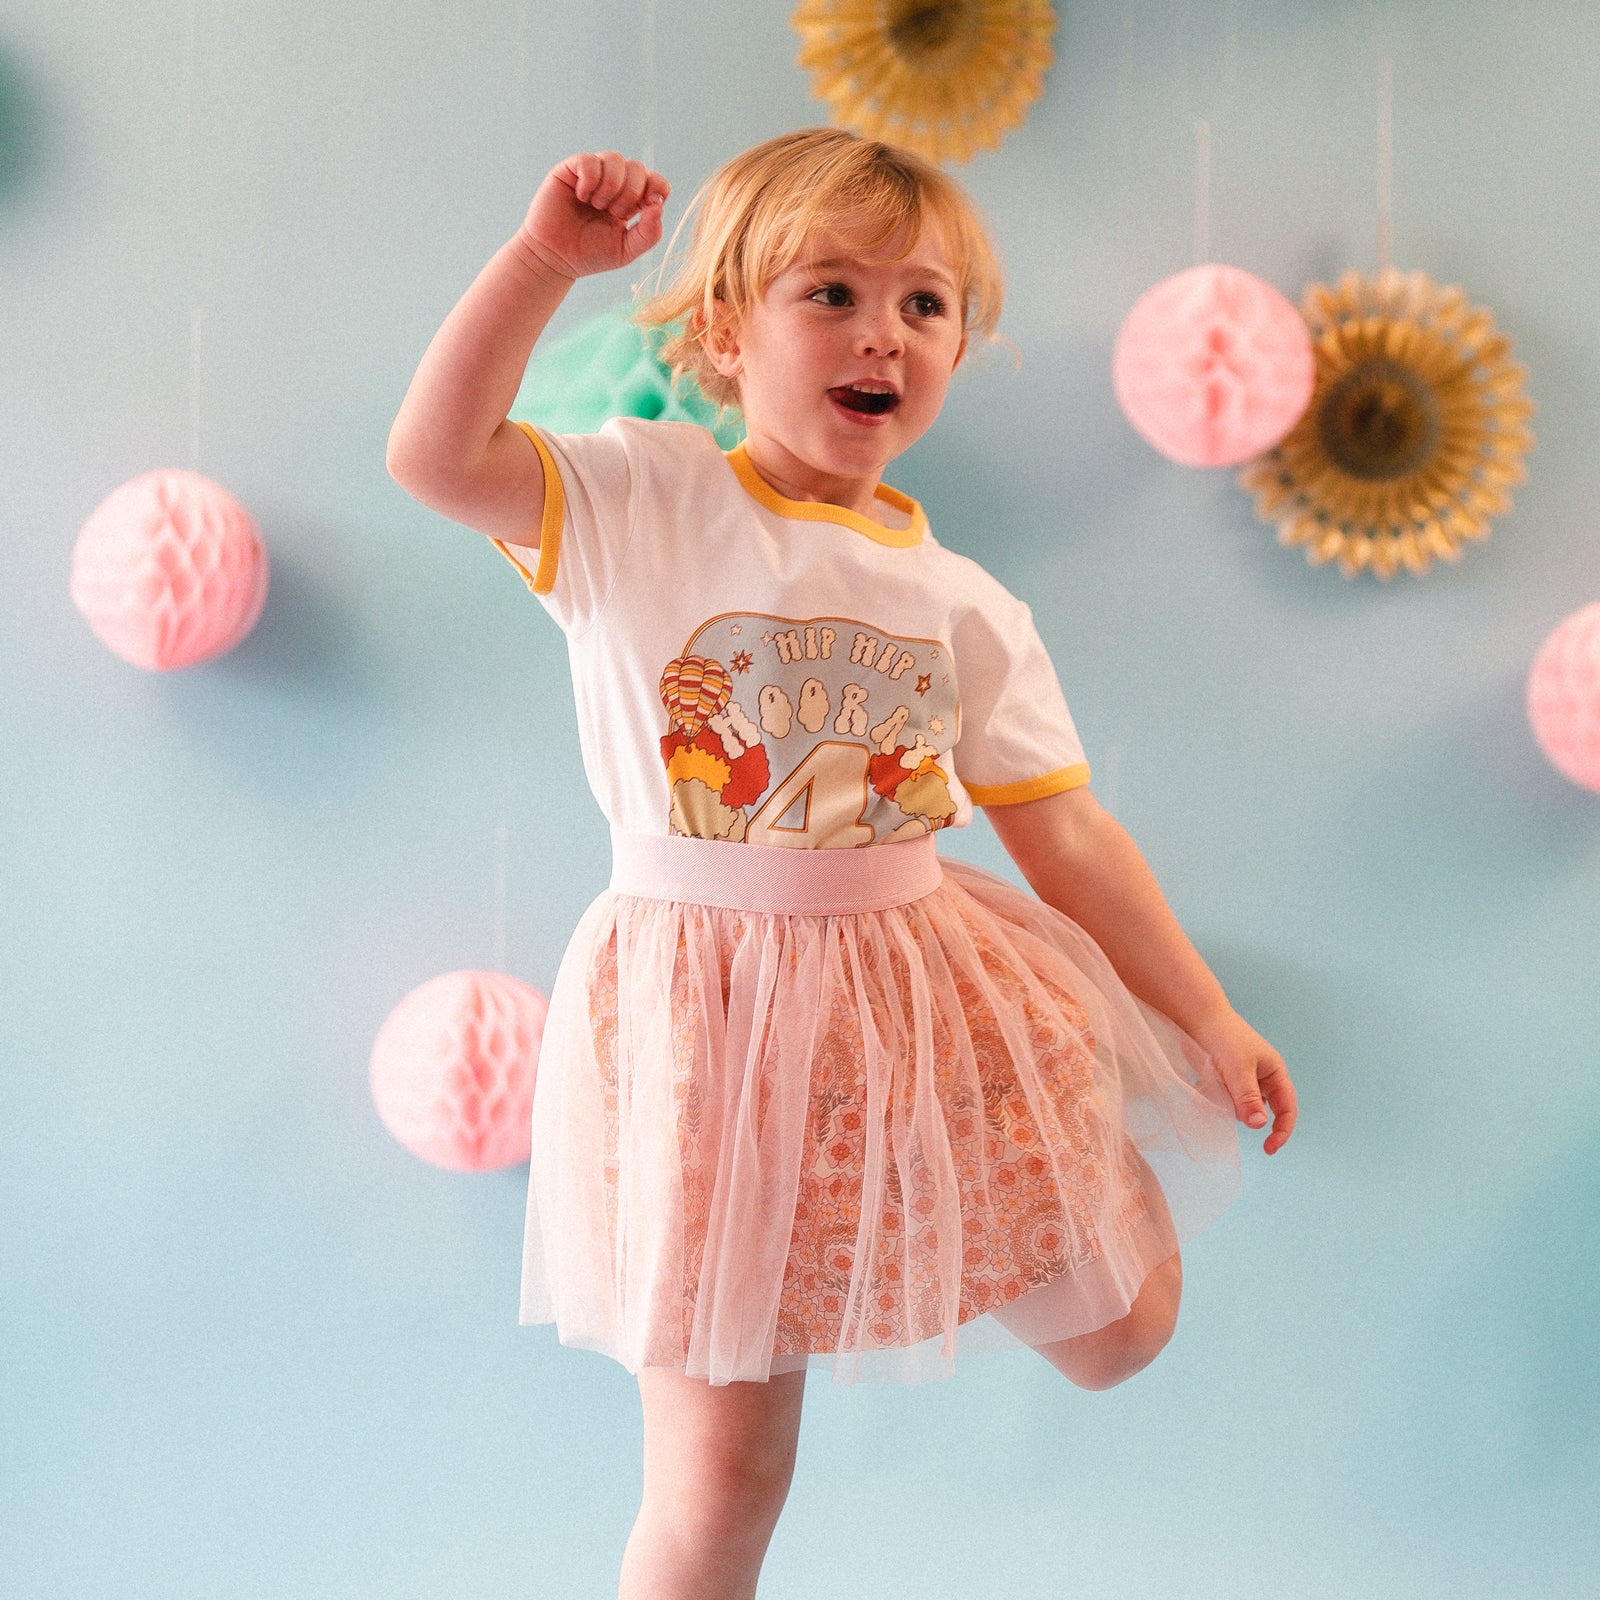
x=594 y=213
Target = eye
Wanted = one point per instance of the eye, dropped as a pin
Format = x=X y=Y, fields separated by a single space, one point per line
x=926 y=305
x=830 y=294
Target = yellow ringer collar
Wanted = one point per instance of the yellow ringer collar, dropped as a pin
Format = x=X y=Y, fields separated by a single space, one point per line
x=821 y=511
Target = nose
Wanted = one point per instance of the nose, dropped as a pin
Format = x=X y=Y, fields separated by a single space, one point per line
x=880 y=334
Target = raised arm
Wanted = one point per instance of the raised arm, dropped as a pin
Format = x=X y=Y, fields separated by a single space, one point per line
x=1079 y=859
x=451 y=446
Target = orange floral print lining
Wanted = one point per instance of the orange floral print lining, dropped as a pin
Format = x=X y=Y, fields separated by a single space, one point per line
x=1032 y=1172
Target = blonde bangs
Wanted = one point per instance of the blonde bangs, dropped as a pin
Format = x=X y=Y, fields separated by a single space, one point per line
x=754 y=218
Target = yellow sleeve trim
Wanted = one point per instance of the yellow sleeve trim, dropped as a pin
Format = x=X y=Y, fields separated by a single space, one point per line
x=1010 y=794
x=543 y=579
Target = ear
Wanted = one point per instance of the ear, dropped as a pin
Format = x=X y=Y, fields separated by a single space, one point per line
x=721 y=342
x=961 y=350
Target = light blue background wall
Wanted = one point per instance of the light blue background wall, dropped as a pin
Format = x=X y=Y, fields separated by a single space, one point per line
x=248 y=1346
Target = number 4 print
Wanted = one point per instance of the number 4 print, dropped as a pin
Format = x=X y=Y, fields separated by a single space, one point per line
x=830 y=790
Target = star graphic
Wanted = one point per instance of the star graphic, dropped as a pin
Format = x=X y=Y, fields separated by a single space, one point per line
x=741 y=661
x=736 y=629
x=766 y=638
x=924 y=683
x=935 y=724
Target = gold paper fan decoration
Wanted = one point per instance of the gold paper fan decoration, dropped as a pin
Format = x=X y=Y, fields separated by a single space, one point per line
x=1416 y=428
x=943 y=77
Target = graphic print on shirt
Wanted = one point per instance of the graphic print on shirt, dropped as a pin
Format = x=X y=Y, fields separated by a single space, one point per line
x=821 y=733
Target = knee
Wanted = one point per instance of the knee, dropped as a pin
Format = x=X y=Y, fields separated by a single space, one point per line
x=1117 y=1361
x=1115 y=1353
x=1148 y=1327
x=723 y=1499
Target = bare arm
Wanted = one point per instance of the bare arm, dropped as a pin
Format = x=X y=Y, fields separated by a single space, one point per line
x=451 y=446
x=1079 y=859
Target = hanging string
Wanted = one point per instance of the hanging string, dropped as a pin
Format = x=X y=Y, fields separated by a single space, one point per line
x=523 y=75
x=647 y=33
x=529 y=148
x=190 y=229
x=194 y=390
x=1385 y=165
x=502 y=841
x=186 y=110
x=1202 y=192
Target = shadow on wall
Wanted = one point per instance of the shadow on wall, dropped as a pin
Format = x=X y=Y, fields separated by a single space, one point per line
x=1514 y=1403
x=1343 y=1036
x=19 y=124
x=1463 y=818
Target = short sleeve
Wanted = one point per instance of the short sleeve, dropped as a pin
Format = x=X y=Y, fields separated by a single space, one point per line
x=589 y=515
x=1017 y=740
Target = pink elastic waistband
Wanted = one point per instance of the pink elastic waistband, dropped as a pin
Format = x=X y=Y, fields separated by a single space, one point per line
x=756 y=877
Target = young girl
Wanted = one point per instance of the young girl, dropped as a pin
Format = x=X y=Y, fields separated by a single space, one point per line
x=809 y=1093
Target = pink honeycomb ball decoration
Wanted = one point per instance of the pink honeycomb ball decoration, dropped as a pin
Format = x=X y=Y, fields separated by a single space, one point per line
x=1564 y=698
x=169 y=570
x=1213 y=366
x=453 y=1068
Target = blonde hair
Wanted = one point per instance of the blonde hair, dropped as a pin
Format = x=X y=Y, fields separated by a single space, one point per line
x=753 y=217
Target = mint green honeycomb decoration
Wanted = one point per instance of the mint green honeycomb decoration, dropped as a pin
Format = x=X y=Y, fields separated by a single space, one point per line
x=611 y=367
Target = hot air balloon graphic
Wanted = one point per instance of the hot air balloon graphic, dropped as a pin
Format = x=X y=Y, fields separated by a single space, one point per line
x=694 y=689
x=716 y=764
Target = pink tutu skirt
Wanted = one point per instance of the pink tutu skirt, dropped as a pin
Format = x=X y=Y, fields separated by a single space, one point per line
x=861 y=1109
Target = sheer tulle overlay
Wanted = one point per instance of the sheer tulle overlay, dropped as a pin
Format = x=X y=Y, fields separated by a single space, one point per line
x=867 y=1141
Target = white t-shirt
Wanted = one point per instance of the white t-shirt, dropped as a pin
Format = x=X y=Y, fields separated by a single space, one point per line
x=748 y=667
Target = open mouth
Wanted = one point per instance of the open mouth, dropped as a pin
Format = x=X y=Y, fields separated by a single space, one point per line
x=871 y=400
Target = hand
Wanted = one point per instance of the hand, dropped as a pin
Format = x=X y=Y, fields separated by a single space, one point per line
x=579 y=220
x=1250 y=1070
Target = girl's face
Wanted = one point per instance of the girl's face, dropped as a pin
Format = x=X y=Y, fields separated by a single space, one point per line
x=844 y=361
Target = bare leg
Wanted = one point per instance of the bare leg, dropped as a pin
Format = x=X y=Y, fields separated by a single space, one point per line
x=1112 y=1354
x=717 y=1466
